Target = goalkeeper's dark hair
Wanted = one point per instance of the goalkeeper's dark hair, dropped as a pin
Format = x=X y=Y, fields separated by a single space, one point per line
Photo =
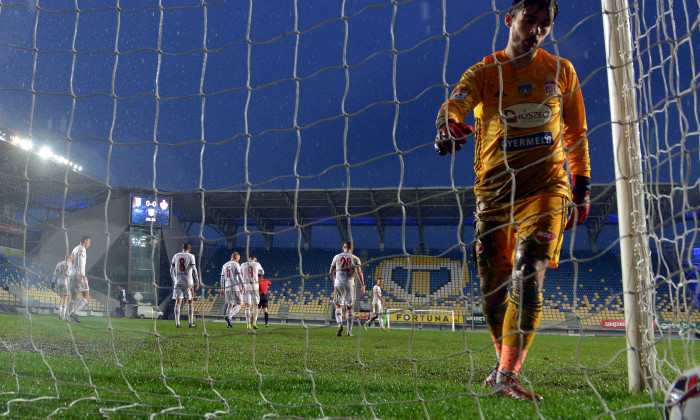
x=519 y=5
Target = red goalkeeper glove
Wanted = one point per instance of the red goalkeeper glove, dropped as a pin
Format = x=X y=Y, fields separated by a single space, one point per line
x=451 y=134
x=581 y=197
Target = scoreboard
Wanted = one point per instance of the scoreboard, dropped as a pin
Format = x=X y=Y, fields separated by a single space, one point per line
x=150 y=211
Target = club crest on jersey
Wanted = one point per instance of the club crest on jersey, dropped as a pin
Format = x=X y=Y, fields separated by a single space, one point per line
x=543 y=237
x=550 y=88
x=525 y=89
x=461 y=93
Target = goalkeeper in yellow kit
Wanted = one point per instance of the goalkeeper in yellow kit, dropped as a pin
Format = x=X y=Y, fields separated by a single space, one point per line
x=530 y=120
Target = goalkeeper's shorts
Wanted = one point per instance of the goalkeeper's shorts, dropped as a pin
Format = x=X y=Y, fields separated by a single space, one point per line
x=538 y=222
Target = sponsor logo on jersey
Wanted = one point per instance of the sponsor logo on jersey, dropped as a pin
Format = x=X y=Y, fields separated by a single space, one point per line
x=525 y=89
x=527 y=115
x=550 y=88
x=461 y=93
x=514 y=144
x=543 y=236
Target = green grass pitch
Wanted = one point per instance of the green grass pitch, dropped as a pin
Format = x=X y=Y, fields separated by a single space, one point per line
x=121 y=368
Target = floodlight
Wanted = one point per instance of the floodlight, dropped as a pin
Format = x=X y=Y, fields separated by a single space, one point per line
x=45 y=152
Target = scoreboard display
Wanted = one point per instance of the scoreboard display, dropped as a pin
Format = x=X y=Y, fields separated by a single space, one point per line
x=150 y=211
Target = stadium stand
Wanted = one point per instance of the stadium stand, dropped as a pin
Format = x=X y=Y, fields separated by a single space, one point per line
x=587 y=287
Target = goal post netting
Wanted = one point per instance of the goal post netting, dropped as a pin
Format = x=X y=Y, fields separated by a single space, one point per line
x=279 y=129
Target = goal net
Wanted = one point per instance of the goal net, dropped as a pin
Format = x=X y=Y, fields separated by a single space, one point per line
x=280 y=129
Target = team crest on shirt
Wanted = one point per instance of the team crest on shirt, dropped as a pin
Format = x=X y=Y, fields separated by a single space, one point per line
x=525 y=89
x=461 y=93
x=543 y=236
x=550 y=88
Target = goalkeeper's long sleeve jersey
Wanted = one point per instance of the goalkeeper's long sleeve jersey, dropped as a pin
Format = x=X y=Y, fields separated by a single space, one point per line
x=527 y=121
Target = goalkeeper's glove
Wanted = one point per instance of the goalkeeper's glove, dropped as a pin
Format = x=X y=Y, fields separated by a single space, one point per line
x=451 y=134
x=581 y=198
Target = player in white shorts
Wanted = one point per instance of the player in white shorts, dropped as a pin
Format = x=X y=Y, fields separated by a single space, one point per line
x=231 y=287
x=78 y=279
x=251 y=271
x=377 y=300
x=343 y=270
x=60 y=283
x=183 y=270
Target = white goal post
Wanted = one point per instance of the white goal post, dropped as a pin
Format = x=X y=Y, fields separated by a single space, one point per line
x=637 y=278
x=422 y=316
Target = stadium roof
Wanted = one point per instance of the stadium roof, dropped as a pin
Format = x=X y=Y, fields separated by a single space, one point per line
x=47 y=187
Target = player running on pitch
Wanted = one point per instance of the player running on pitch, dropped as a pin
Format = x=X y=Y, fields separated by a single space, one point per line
x=377 y=300
x=252 y=270
x=183 y=271
x=343 y=269
x=231 y=287
x=530 y=119
x=78 y=278
x=60 y=283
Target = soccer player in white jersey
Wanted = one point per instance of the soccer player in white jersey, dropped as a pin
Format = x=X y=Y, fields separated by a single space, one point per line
x=343 y=270
x=251 y=270
x=183 y=271
x=231 y=287
x=60 y=283
x=78 y=278
x=377 y=300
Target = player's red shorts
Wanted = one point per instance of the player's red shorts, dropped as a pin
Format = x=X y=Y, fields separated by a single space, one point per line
x=500 y=231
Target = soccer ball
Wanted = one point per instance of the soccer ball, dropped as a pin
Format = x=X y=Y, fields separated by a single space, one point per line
x=683 y=398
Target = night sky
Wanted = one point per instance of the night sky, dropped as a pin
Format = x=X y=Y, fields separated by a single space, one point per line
x=189 y=115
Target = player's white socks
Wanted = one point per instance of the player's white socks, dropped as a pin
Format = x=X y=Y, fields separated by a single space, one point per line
x=351 y=314
x=61 y=310
x=71 y=305
x=255 y=315
x=82 y=302
x=247 y=315
x=339 y=315
x=190 y=313
x=233 y=311
x=177 y=314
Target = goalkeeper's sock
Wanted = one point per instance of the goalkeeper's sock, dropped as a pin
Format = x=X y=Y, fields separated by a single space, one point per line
x=81 y=303
x=190 y=313
x=339 y=316
x=495 y=315
x=519 y=332
x=266 y=318
x=177 y=314
x=247 y=316
x=234 y=311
